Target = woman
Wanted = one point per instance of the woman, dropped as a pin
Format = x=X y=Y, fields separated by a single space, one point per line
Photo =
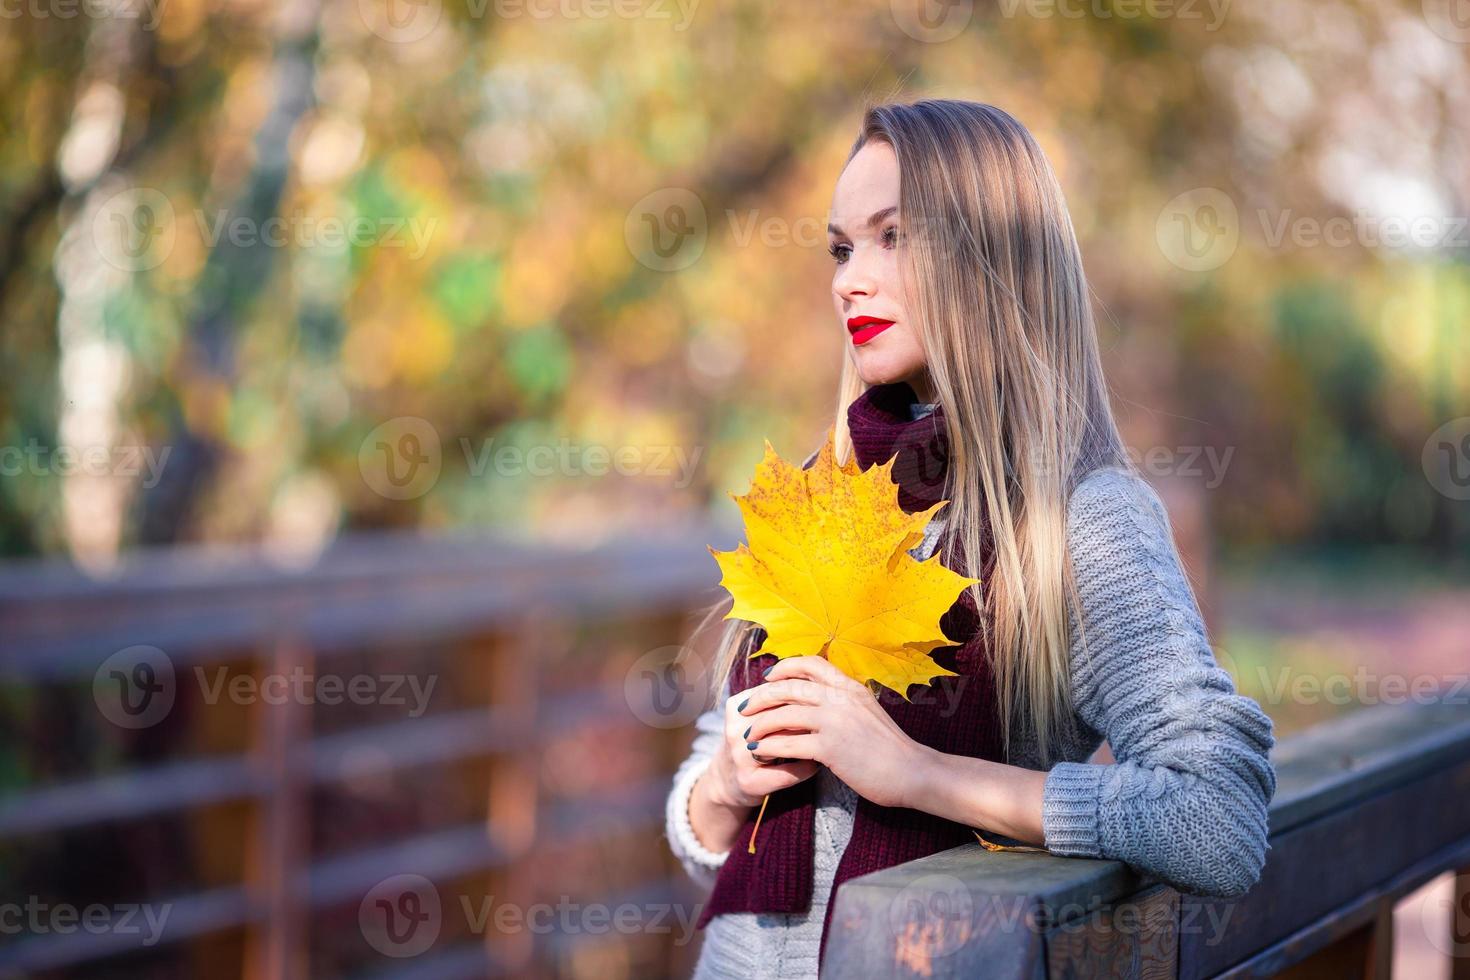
x=973 y=360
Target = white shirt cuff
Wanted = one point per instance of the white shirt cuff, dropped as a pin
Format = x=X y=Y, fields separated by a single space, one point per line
x=681 y=833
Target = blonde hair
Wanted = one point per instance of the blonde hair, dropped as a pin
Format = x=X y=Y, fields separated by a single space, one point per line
x=1000 y=306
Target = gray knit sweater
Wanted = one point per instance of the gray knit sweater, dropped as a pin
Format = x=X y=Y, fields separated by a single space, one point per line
x=1186 y=802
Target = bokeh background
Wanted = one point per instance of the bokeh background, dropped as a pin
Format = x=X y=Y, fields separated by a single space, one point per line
x=415 y=344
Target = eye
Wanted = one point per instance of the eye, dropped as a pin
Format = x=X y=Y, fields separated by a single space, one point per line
x=890 y=236
x=839 y=252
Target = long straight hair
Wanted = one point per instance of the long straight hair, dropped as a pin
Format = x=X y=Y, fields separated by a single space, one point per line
x=1001 y=308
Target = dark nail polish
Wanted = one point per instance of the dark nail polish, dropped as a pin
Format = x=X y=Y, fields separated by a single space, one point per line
x=747 y=732
x=743 y=704
x=767 y=671
x=751 y=745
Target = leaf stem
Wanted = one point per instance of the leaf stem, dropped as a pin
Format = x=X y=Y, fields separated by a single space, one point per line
x=757 y=828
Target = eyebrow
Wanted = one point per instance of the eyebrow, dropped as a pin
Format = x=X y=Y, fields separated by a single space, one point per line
x=874 y=219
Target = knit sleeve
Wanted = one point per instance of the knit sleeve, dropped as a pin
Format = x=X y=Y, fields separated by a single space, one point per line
x=1186 y=801
x=699 y=862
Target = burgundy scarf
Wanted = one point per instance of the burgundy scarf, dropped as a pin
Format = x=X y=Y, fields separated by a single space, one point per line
x=956 y=715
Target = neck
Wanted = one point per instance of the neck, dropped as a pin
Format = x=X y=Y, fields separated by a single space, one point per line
x=886 y=422
x=923 y=387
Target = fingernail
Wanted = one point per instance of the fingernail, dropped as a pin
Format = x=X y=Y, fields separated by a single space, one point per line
x=767 y=671
x=751 y=745
x=743 y=704
x=747 y=732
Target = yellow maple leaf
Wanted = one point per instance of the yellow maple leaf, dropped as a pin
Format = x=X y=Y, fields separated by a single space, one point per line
x=826 y=570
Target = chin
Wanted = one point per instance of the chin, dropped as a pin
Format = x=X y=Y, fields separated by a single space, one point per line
x=878 y=371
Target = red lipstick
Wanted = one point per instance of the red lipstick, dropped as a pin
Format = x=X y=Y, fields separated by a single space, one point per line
x=865 y=328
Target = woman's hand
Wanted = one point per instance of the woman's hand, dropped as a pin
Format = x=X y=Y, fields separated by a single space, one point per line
x=737 y=778
x=808 y=709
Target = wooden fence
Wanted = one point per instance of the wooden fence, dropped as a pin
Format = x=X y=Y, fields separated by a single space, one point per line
x=272 y=833
x=505 y=757
x=1368 y=808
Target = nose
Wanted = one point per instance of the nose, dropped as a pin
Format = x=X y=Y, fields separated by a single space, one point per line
x=854 y=279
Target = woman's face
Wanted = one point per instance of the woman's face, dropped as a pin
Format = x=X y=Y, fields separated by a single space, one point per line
x=867 y=291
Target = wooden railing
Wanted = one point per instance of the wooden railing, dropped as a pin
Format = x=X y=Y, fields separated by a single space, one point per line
x=1368 y=808
x=263 y=826
x=268 y=832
